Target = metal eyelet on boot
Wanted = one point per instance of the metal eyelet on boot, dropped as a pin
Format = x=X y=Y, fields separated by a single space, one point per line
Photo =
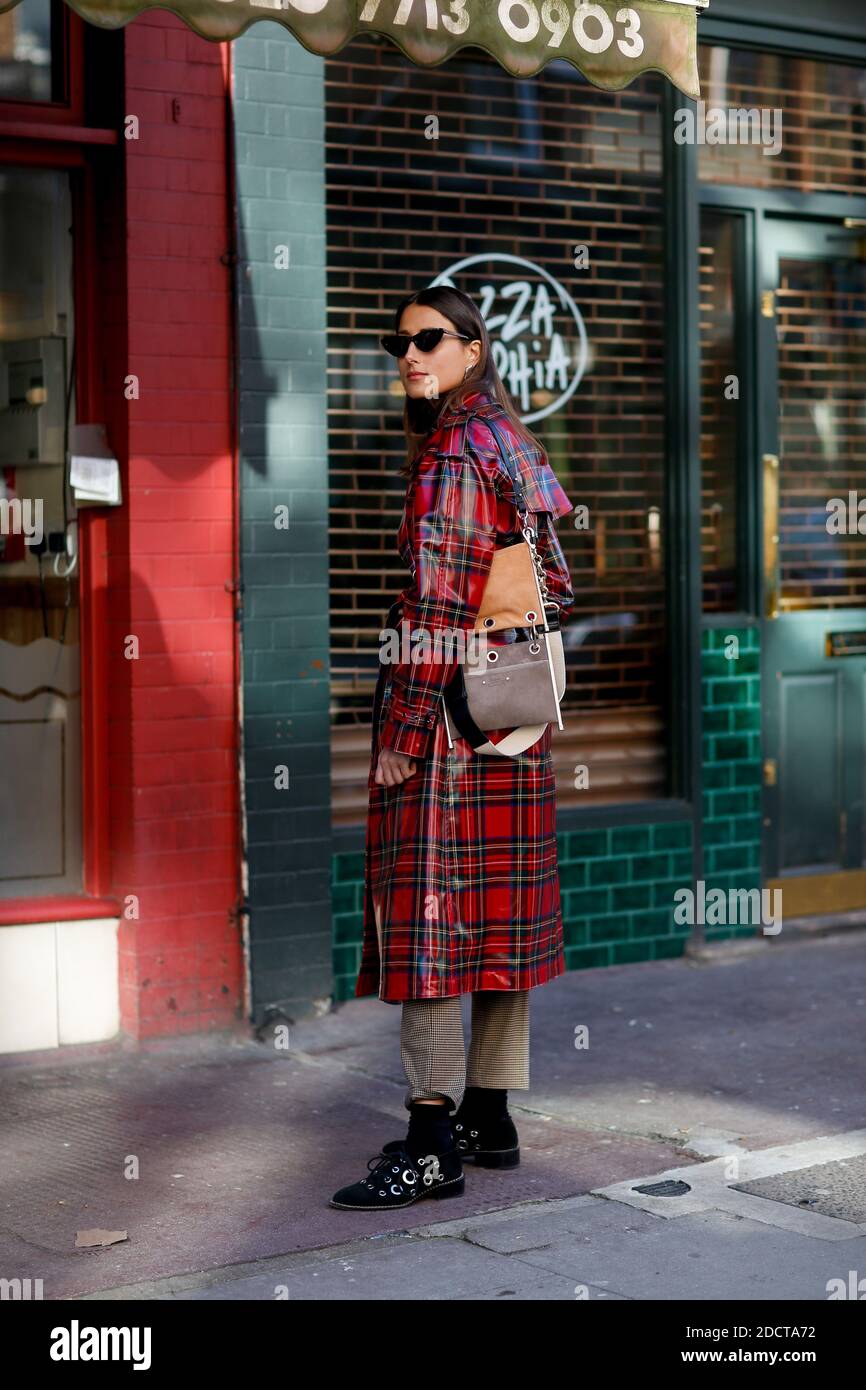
x=404 y=1184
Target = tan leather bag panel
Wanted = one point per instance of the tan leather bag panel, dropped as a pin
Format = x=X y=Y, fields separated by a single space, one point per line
x=511 y=590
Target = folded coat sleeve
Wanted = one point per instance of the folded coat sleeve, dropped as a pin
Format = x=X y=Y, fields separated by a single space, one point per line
x=453 y=505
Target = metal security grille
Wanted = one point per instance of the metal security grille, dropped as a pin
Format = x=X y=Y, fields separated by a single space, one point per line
x=532 y=169
x=821 y=308
x=720 y=407
x=816 y=142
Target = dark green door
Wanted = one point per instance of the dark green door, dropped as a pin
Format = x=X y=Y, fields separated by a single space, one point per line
x=813 y=442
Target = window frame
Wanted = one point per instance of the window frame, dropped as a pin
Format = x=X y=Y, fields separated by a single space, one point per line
x=41 y=135
x=747 y=568
x=69 y=109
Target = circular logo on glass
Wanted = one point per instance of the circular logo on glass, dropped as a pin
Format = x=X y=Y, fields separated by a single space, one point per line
x=537 y=332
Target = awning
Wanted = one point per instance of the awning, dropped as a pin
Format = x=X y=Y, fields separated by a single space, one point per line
x=609 y=41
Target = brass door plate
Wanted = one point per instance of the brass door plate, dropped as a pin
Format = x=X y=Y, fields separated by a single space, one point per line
x=814 y=895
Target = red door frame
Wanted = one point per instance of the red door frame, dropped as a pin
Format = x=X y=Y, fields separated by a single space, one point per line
x=52 y=136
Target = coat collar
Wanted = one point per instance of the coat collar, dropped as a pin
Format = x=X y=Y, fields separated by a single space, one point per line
x=470 y=402
x=541 y=486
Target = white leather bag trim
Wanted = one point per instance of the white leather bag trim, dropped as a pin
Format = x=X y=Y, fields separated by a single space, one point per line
x=516 y=742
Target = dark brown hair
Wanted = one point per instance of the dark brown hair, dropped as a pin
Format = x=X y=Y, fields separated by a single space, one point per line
x=420 y=417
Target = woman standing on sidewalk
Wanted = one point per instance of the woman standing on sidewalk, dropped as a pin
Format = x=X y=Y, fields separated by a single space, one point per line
x=461 y=885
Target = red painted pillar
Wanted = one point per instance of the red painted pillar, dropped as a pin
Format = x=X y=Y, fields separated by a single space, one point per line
x=174 y=808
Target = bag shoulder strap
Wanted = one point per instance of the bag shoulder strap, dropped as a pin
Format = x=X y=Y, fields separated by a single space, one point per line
x=505 y=453
x=534 y=520
x=455 y=446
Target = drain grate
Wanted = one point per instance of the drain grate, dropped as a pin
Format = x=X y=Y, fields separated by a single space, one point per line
x=668 y=1188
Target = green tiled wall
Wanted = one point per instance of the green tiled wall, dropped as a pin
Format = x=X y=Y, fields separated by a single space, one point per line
x=347 y=901
x=617 y=888
x=278 y=111
x=731 y=765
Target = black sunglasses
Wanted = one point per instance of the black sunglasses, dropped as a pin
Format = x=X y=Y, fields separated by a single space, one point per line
x=425 y=341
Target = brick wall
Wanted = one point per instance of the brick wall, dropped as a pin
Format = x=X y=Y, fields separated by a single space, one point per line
x=174 y=804
x=279 y=147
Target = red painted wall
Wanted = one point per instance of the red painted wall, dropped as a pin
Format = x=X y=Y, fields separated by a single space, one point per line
x=174 y=814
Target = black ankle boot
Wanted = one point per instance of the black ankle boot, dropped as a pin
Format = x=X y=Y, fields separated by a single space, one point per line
x=424 y=1164
x=483 y=1129
x=396 y=1179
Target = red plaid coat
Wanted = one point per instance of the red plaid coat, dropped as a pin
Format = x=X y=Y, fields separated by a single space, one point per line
x=461 y=884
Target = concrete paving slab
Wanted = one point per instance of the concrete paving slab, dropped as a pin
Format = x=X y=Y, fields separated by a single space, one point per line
x=574 y=1251
x=708 y=1256
x=400 y=1271
x=542 y=1225
x=375 y=1268
x=836 y=1189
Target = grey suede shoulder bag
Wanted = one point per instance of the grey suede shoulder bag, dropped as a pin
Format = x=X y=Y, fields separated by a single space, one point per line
x=518 y=685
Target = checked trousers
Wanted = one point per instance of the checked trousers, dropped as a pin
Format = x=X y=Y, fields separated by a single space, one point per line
x=432 y=1045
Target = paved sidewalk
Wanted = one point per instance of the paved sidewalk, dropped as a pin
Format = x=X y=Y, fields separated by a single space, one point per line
x=726 y=1074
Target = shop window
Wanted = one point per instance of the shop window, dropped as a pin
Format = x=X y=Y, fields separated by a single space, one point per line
x=40 y=849
x=532 y=170
x=722 y=415
x=622 y=136
x=822 y=430
x=822 y=145
x=32 y=52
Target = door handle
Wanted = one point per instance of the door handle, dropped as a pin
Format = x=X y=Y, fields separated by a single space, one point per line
x=771 y=535
x=654 y=538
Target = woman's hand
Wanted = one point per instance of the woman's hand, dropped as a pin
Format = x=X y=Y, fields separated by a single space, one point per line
x=393 y=768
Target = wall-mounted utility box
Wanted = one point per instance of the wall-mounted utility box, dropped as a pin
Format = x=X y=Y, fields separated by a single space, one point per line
x=32 y=401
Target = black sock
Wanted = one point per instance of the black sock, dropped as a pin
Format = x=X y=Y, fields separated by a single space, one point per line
x=485 y=1102
x=429 y=1129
